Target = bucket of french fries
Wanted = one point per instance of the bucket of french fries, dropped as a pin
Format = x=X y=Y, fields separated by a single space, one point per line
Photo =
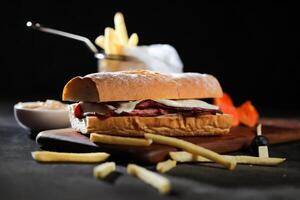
x=121 y=51
x=114 y=43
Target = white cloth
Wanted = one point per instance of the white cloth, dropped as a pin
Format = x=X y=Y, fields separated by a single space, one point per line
x=158 y=57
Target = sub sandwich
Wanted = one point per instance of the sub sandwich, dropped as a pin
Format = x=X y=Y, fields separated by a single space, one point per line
x=132 y=103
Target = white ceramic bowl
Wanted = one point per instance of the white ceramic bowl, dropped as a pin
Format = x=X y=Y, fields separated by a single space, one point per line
x=40 y=119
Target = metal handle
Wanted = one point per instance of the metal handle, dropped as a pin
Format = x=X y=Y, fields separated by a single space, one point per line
x=37 y=26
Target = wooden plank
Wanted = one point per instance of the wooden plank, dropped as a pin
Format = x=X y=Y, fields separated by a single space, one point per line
x=238 y=138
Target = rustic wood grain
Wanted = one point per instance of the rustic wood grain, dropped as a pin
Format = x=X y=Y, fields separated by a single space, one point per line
x=276 y=130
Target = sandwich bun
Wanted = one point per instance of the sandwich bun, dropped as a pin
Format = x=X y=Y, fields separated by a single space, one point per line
x=168 y=125
x=139 y=85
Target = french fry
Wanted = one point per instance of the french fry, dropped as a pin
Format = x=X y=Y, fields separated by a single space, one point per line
x=113 y=41
x=257 y=160
x=108 y=42
x=117 y=47
x=109 y=139
x=102 y=170
x=159 y=182
x=183 y=156
x=165 y=166
x=192 y=148
x=121 y=28
x=133 y=40
x=100 y=41
x=49 y=156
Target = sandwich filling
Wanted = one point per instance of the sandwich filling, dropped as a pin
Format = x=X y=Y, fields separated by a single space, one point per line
x=144 y=108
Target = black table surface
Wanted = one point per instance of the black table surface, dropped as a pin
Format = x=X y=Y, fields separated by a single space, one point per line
x=23 y=178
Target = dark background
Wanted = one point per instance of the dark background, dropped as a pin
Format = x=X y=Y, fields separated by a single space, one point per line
x=251 y=48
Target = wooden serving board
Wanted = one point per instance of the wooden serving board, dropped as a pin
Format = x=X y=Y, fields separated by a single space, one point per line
x=68 y=140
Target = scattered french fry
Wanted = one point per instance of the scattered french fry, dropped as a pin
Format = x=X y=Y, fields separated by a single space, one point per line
x=109 y=139
x=102 y=170
x=165 y=166
x=257 y=160
x=192 y=148
x=100 y=41
x=121 y=28
x=183 y=156
x=159 y=182
x=133 y=40
x=49 y=156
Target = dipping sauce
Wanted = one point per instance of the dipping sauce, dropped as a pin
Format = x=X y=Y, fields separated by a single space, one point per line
x=47 y=105
x=39 y=115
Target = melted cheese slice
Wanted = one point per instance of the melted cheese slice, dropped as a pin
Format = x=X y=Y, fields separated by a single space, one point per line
x=192 y=103
x=126 y=106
